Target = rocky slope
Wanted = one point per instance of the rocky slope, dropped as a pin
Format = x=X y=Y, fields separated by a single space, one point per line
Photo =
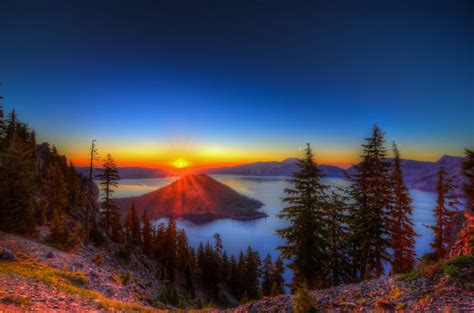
x=39 y=277
x=447 y=287
x=194 y=196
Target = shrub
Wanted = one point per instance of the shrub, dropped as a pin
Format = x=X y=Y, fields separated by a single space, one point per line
x=76 y=277
x=169 y=296
x=97 y=237
x=199 y=304
x=429 y=259
x=410 y=276
x=75 y=237
x=461 y=260
x=98 y=259
x=400 y=306
x=451 y=270
x=303 y=301
x=125 y=278
x=16 y=299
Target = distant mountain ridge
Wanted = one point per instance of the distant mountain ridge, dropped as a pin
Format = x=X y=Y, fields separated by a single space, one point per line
x=417 y=174
x=284 y=168
x=422 y=175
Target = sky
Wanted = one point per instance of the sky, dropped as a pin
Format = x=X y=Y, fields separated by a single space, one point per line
x=226 y=82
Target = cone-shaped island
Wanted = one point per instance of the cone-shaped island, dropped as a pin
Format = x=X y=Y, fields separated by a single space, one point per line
x=194 y=197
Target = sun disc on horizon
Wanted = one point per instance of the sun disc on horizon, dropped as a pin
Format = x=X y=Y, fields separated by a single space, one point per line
x=180 y=163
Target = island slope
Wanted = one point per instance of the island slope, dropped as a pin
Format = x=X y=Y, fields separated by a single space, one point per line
x=196 y=197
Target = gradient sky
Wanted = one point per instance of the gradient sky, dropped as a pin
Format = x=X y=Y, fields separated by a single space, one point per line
x=226 y=82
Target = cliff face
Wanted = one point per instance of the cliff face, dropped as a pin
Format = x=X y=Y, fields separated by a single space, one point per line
x=194 y=196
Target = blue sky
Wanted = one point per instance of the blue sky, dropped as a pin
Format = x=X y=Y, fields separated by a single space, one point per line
x=237 y=81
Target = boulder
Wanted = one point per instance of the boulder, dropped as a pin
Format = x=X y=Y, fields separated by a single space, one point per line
x=7 y=255
x=50 y=255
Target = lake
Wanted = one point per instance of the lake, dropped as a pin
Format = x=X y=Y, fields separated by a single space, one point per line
x=260 y=233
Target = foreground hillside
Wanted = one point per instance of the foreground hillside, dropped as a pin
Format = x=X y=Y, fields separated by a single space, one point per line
x=42 y=278
x=447 y=287
x=37 y=276
x=194 y=196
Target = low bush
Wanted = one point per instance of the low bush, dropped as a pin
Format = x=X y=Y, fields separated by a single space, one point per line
x=451 y=270
x=410 y=276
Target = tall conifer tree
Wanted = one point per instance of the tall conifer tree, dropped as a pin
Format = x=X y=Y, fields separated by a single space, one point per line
x=338 y=241
x=468 y=187
x=402 y=234
x=466 y=246
x=446 y=202
x=170 y=250
x=305 y=237
x=147 y=234
x=18 y=177
x=278 y=286
x=109 y=179
x=132 y=224
x=267 y=275
x=371 y=194
x=53 y=192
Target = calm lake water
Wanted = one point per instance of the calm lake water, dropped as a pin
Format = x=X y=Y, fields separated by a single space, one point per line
x=260 y=234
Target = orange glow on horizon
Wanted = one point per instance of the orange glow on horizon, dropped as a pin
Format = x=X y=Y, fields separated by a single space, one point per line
x=194 y=157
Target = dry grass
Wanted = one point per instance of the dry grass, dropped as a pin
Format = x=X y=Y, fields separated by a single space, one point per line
x=68 y=282
x=15 y=299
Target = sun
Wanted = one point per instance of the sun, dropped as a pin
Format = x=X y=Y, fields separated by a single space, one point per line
x=180 y=163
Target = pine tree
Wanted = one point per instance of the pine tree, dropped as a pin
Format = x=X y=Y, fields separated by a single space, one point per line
x=2 y=127
x=251 y=274
x=445 y=203
x=371 y=195
x=402 y=234
x=225 y=270
x=337 y=239
x=147 y=234
x=303 y=301
x=54 y=192
x=305 y=237
x=466 y=235
x=76 y=197
x=182 y=249
x=267 y=275
x=278 y=286
x=18 y=178
x=58 y=234
x=12 y=127
x=159 y=249
x=218 y=243
x=241 y=279
x=468 y=187
x=109 y=179
x=234 y=278
x=132 y=224
x=170 y=250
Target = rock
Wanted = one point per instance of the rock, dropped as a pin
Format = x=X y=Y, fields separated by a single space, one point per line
x=50 y=255
x=78 y=265
x=7 y=255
